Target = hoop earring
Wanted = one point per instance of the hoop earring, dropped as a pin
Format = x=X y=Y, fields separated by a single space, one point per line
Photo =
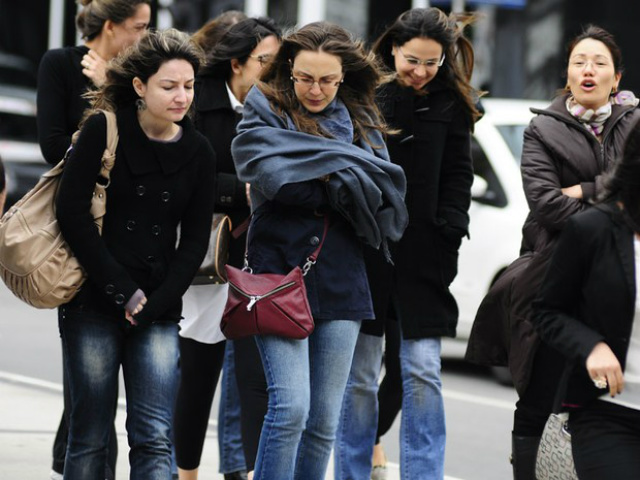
x=141 y=104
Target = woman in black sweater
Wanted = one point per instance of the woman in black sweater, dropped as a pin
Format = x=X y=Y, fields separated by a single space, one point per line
x=127 y=312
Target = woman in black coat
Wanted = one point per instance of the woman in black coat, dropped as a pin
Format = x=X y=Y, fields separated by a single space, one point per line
x=127 y=312
x=567 y=149
x=588 y=310
x=64 y=76
x=432 y=105
x=235 y=61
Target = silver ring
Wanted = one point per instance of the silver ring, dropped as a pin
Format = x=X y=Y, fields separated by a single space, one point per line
x=600 y=382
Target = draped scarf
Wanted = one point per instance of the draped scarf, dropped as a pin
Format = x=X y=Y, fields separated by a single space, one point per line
x=364 y=186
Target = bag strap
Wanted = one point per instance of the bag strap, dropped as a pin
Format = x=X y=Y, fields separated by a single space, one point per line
x=109 y=155
x=311 y=259
x=309 y=262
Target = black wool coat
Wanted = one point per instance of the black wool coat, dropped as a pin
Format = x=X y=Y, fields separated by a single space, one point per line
x=217 y=121
x=589 y=294
x=154 y=187
x=434 y=149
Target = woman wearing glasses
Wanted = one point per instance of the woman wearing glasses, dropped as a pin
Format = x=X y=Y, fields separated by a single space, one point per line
x=567 y=148
x=310 y=144
x=242 y=47
x=433 y=106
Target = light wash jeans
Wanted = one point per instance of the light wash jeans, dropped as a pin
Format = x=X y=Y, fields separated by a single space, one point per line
x=306 y=381
x=229 y=432
x=95 y=347
x=422 y=428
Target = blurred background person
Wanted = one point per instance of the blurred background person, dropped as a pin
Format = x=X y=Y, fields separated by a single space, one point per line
x=432 y=105
x=567 y=148
x=589 y=311
x=238 y=47
x=64 y=76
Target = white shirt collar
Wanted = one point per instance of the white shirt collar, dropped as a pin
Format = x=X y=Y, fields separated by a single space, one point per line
x=235 y=103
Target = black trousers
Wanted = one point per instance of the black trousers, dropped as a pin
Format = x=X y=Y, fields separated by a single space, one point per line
x=605 y=439
x=254 y=399
x=390 y=390
x=200 y=366
x=535 y=405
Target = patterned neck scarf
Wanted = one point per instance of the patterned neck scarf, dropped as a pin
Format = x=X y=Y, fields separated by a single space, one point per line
x=594 y=120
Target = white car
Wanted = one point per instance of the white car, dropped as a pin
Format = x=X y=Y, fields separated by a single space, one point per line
x=497 y=212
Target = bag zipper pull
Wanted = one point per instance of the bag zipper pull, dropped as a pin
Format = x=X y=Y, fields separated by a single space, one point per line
x=252 y=301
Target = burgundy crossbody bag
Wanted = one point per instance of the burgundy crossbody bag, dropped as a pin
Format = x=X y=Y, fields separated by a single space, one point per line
x=269 y=303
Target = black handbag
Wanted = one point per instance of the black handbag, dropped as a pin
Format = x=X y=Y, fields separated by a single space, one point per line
x=212 y=268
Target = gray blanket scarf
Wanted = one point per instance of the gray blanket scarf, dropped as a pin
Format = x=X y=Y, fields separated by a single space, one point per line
x=364 y=187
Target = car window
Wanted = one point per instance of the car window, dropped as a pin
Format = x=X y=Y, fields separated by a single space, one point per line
x=495 y=194
x=513 y=135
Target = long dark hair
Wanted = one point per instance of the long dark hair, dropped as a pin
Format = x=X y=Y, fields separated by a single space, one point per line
x=142 y=60
x=211 y=32
x=623 y=182
x=362 y=74
x=96 y=12
x=237 y=43
x=448 y=31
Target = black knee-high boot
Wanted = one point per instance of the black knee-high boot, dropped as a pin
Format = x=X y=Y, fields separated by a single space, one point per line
x=523 y=457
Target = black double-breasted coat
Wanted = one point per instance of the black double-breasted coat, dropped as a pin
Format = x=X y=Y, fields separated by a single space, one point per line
x=154 y=187
x=434 y=149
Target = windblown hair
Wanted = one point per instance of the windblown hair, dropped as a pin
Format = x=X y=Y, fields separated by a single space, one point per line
x=623 y=181
x=211 y=32
x=142 y=60
x=448 y=31
x=362 y=75
x=237 y=43
x=95 y=13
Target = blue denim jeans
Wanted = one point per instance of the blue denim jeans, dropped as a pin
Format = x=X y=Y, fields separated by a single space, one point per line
x=359 y=415
x=95 y=347
x=306 y=382
x=229 y=431
x=422 y=428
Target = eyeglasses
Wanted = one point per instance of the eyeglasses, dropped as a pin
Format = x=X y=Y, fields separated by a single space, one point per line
x=262 y=59
x=582 y=63
x=307 y=83
x=414 y=62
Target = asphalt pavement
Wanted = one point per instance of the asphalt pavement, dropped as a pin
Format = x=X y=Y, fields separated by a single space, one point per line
x=29 y=414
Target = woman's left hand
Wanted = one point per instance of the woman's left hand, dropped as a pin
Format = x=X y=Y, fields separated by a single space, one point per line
x=129 y=315
x=603 y=366
x=574 y=192
x=94 y=67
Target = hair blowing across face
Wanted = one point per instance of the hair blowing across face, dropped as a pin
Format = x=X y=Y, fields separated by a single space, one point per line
x=432 y=23
x=362 y=74
x=143 y=60
x=96 y=12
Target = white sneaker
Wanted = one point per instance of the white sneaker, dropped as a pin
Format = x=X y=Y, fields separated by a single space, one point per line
x=55 y=475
